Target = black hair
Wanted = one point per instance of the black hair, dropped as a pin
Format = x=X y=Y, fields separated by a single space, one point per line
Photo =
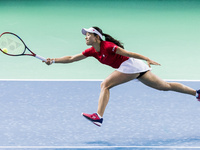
x=109 y=38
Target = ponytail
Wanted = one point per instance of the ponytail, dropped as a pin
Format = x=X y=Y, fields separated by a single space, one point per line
x=109 y=38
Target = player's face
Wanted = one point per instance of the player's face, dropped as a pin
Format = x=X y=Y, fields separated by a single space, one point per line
x=90 y=38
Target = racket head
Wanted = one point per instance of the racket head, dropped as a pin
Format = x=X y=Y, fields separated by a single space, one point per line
x=11 y=44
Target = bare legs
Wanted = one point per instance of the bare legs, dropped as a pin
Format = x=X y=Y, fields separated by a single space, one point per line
x=148 y=79
x=112 y=80
x=155 y=82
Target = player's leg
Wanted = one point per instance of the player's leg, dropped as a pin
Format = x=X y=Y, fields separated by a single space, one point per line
x=153 y=81
x=112 y=80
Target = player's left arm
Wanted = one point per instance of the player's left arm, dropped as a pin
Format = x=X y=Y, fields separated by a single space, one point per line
x=126 y=53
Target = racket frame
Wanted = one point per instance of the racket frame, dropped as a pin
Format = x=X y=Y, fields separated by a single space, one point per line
x=26 y=48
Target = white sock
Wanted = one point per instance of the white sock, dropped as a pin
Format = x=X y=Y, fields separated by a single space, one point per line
x=197 y=94
x=99 y=116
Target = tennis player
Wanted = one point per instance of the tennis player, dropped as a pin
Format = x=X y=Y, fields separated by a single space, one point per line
x=128 y=66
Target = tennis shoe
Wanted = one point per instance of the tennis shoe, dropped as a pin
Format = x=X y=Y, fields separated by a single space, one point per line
x=198 y=95
x=94 y=118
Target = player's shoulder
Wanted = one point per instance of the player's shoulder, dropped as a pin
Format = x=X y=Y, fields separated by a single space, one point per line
x=89 y=52
x=107 y=44
x=91 y=49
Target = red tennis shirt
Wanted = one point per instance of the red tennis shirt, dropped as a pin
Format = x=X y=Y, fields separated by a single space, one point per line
x=107 y=54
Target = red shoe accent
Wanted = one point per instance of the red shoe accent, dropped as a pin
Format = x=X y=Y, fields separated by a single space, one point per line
x=94 y=118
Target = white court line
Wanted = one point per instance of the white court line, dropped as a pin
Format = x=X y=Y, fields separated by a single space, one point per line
x=51 y=79
x=87 y=80
x=99 y=147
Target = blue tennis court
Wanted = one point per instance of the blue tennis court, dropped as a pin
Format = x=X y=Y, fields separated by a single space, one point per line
x=47 y=114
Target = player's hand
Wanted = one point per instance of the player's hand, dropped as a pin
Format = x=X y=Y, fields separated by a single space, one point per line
x=49 y=61
x=151 y=62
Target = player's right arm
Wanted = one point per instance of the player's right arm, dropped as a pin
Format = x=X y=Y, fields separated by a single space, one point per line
x=66 y=59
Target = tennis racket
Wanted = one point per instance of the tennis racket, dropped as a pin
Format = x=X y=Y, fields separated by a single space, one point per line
x=12 y=45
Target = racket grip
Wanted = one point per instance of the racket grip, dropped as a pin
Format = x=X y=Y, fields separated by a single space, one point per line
x=41 y=58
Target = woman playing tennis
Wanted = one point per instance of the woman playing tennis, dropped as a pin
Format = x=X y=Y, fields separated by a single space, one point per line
x=128 y=66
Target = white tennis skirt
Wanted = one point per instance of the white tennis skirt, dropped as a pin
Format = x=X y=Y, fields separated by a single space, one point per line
x=132 y=66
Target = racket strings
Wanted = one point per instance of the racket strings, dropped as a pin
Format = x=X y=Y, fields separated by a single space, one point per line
x=11 y=44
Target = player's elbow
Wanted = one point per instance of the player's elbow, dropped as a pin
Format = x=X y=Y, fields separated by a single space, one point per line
x=130 y=54
x=72 y=59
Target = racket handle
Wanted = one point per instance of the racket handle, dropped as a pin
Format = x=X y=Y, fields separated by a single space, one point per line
x=41 y=58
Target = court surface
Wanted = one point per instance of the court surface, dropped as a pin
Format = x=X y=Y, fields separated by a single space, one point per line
x=47 y=114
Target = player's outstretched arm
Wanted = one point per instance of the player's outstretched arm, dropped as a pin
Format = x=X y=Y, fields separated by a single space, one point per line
x=65 y=59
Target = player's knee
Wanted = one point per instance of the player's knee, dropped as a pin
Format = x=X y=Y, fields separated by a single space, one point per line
x=104 y=85
x=166 y=87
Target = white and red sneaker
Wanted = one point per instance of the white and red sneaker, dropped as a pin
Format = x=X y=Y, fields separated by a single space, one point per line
x=198 y=95
x=94 y=118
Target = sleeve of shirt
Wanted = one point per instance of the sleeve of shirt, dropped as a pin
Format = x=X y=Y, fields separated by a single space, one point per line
x=88 y=52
